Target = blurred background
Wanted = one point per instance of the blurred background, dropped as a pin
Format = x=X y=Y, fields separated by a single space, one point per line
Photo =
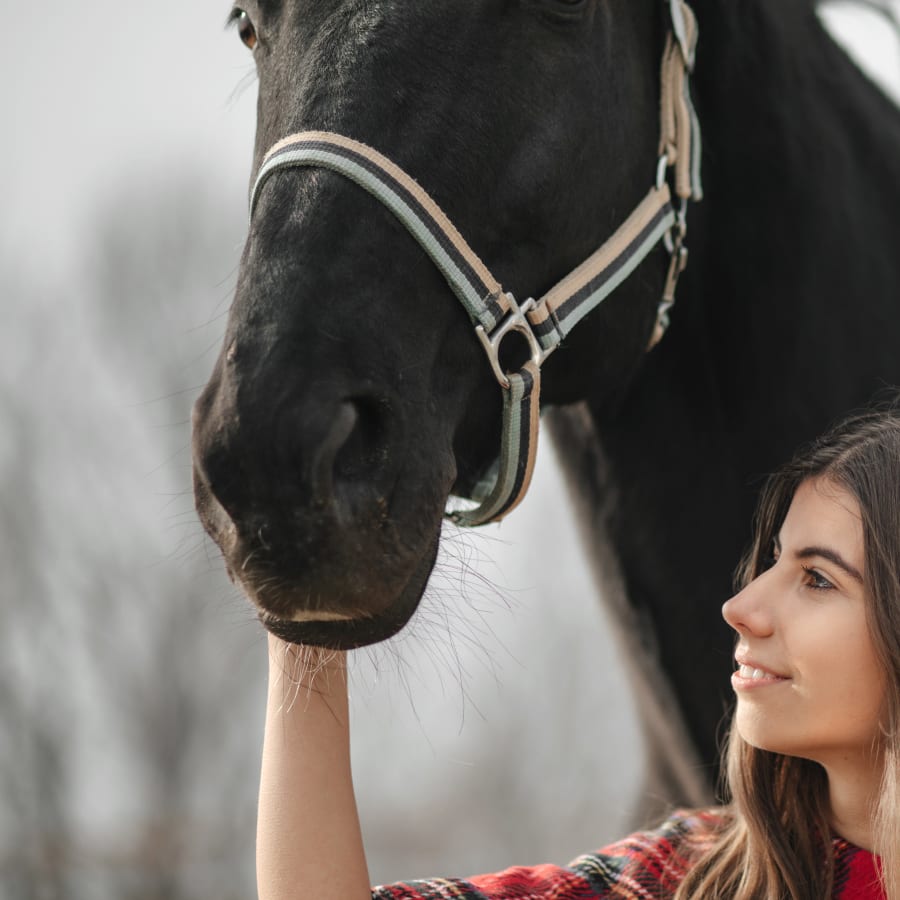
x=497 y=729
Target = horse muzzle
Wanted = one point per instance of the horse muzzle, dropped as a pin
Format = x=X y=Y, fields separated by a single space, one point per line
x=306 y=502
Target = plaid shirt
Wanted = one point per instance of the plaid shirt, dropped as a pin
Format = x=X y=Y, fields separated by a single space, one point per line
x=645 y=866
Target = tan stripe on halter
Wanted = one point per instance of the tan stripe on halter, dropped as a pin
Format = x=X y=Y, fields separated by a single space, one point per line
x=601 y=259
x=411 y=185
x=675 y=131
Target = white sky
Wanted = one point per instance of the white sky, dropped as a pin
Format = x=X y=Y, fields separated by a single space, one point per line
x=92 y=89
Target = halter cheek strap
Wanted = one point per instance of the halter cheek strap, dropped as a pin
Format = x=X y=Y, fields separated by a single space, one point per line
x=544 y=323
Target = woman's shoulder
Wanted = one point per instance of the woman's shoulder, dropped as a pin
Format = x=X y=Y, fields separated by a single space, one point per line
x=681 y=826
x=653 y=858
x=643 y=861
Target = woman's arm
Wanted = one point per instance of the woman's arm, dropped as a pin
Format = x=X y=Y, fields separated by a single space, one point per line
x=309 y=845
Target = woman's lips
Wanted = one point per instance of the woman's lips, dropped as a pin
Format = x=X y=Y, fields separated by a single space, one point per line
x=750 y=675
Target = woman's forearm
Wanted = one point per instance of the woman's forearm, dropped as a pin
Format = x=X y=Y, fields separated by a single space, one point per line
x=309 y=845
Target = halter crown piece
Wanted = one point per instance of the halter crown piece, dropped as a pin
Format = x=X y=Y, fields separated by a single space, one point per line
x=544 y=323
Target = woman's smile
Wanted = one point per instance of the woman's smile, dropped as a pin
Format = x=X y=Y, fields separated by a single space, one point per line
x=751 y=675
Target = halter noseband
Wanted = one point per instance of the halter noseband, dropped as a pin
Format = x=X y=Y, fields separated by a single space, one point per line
x=544 y=323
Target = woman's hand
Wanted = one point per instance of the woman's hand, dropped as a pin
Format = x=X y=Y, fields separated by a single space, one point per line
x=309 y=845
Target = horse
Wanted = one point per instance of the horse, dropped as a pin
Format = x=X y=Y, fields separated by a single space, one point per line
x=352 y=395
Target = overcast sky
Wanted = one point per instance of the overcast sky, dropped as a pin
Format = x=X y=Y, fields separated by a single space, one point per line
x=94 y=90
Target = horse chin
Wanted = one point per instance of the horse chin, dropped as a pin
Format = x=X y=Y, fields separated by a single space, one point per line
x=344 y=631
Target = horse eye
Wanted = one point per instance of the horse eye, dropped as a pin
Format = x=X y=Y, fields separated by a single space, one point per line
x=245 y=28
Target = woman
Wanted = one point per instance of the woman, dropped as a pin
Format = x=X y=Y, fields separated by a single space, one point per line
x=813 y=766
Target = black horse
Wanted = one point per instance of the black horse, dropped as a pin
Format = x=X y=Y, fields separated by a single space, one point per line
x=351 y=396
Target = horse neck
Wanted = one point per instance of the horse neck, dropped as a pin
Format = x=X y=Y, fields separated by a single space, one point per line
x=802 y=179
x=779 y=100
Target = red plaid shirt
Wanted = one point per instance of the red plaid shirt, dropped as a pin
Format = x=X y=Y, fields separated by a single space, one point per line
x=647 y=865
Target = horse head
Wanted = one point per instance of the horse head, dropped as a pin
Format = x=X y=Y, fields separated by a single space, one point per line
x=351 y=396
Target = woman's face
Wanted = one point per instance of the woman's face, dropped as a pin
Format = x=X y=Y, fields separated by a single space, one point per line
x=808 y=683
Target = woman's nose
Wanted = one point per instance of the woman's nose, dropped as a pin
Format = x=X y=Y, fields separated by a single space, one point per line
x=750 y=610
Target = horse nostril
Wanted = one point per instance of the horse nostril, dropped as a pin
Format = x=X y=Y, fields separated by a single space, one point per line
x=364 y=450
x=333 y=454
x=323 y=467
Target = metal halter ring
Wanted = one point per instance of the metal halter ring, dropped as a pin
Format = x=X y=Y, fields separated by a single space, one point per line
x=514 y=320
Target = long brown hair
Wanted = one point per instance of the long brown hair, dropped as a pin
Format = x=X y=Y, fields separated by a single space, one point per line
x=774 y=836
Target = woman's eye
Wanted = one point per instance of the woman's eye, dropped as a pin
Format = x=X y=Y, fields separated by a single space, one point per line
x=245 y=29
x=816 y=580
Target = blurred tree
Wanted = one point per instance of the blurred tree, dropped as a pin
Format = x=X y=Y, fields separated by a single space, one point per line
x=128 y=753
x=32 y=752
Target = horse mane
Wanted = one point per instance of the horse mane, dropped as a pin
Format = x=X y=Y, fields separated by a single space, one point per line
x=785 y=50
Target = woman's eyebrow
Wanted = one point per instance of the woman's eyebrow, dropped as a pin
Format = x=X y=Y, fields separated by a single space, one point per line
x=831 y=556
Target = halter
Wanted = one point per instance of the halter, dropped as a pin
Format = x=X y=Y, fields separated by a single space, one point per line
x=543 y=323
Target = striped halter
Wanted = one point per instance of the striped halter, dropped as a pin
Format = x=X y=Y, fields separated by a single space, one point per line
x=544 y=323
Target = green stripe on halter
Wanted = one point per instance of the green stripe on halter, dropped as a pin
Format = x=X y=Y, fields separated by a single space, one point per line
x=518 y=448
x=583 y=289
x=382 y=187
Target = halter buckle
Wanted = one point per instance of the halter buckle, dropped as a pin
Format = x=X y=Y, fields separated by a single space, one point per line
x=515 y=320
